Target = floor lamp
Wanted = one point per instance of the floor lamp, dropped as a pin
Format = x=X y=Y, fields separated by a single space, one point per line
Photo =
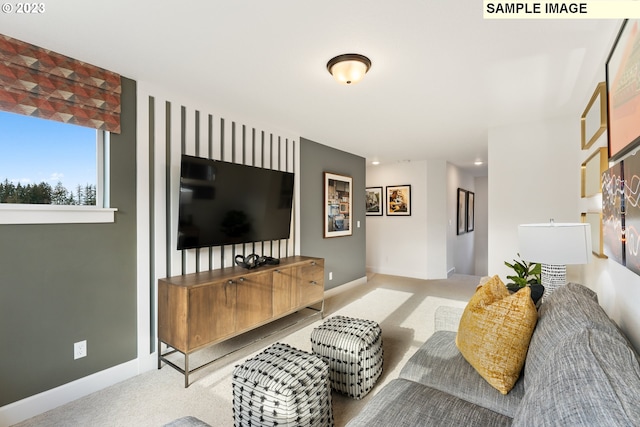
x=554 y=245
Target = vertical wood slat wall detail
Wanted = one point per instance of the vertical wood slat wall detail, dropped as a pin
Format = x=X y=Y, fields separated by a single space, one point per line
x=175 y=130
x=150 y=109
x=166 y=129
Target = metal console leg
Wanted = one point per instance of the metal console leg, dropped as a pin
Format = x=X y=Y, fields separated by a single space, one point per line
x=186 y=370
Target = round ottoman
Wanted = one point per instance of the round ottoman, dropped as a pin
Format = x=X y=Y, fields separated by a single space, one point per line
x=353 y=350
x=282 y=386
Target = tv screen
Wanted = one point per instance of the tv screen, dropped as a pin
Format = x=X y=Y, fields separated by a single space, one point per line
x=224 y=203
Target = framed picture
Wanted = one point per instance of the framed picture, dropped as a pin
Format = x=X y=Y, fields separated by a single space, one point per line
x=631 y=225
x=470 y=211
x=399 y=200
x=622 y=90
x=593 y=121
x=462 y=211
x=374 y=201
x=337 y=205
x=591 y=172
x=613 y=216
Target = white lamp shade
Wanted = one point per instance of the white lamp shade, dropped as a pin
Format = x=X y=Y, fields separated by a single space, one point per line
x=555 y=243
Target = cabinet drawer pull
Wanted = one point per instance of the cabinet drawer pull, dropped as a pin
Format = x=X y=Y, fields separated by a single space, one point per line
x=230 y=282
x=313 y=282
x=313 y=263
x=242 y=279
x=278 y=271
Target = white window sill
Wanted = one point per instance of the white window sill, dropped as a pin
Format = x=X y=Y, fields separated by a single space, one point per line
x=54 y=214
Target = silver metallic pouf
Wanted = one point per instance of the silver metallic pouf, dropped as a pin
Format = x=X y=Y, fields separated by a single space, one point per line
x=353 y=350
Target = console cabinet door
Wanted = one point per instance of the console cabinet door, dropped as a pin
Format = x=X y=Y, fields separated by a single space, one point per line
x=201 y=309
x=212 y=310
x=173 y=309
x=283 y=290
x=309 y=283
x=254 y=302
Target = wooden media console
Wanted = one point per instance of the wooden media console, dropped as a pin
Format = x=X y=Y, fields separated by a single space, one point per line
x=201 y=309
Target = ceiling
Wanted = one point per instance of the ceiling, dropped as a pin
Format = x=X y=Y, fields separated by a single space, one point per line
x=441 y=74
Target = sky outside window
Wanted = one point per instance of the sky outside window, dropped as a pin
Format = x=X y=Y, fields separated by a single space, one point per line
x=35 y=150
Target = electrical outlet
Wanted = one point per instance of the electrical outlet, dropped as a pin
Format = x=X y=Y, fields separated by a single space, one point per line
x=79 y=349
x=331 y=275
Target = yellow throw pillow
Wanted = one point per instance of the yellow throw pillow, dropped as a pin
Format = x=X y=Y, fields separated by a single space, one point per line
x=495 y=330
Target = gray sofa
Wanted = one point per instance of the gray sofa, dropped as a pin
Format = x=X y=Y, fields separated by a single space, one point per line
x=579 y=370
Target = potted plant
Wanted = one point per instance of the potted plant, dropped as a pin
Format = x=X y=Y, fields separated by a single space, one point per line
x=526 y=274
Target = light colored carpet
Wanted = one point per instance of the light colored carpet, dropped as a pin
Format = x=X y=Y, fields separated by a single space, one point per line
x=403 y=307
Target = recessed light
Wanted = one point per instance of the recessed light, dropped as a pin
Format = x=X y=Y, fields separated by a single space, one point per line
x=478 y=162
x=375 y=163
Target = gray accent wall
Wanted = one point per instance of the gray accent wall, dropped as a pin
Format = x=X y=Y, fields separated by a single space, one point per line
x=63 y=283
x=344 y=256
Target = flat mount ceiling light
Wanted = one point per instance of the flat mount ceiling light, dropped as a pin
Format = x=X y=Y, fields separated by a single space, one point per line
x=349 y=68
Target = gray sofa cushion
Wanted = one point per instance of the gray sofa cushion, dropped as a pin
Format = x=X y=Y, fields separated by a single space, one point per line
x=439 y=364
x=567 y=311
x=188 y=421
x=404 y=403
x=591 y=378
x=582 y=290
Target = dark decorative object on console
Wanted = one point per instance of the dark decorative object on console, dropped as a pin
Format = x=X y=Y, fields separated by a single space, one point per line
x=255 y=261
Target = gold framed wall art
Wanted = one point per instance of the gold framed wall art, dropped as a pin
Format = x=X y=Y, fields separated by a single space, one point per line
x=593 y=121
x=591 y=172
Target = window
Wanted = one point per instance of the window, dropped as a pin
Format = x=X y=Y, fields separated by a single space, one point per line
x=52 y=170
x=41 y=83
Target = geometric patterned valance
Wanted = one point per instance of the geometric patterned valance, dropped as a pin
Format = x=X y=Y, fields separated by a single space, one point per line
x=40 y=83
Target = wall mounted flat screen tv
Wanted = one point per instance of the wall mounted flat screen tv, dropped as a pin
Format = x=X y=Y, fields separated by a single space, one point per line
x=224 y=203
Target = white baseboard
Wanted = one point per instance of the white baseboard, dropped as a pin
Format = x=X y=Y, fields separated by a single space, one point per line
x=400 y=273
x=31 y=406
x=345 y=287
x=451 y=272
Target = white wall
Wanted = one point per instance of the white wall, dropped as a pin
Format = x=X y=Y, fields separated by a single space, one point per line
x=437 y=240
x=618 y=292
x=460 y=248
x=396 y=244
x=481 y=238
x=543 y=184
x=424 y=245
x=534 y=175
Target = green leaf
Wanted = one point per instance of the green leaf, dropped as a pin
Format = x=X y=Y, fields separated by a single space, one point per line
x=526 y=273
